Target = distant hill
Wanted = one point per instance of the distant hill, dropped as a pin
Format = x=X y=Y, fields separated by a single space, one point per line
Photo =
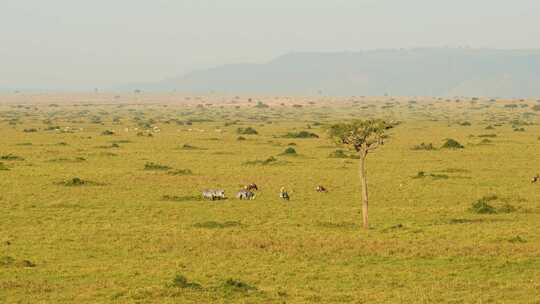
x=426 y=72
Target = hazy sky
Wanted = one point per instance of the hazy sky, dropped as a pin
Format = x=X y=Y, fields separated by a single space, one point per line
x=82 y=44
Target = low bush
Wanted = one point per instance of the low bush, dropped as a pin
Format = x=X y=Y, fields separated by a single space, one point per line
x=180 y=172
x=289 y=151
x=180 y=281
x=217 y=225
x=156 y=166
x=301 y=134
x=424 y=146
x=247 y=131
x=452 y=144
x=11 y=157
x=3 y=167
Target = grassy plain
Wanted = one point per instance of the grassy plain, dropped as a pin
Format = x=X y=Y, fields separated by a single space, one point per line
x=93 y=217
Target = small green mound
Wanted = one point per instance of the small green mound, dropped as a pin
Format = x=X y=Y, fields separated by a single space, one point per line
x=11 y=157
x=217 y=225
x=156 y=167
x=107 y=132
x=3 y=167
x=269 y=161
x=423 y=146
x=247 y=131
x=452 y=144
x=301 y=134
x=237 y=286
x=180 y=281
x=174 y=198
x=77 y=182
x=181 y=172
x=289 y=151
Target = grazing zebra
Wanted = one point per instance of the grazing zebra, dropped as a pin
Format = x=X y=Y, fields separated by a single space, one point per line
x=283 y=194
x=251 y=187
x=321 y=189
x=245 y=195
x=213 y=194
x=535 y=179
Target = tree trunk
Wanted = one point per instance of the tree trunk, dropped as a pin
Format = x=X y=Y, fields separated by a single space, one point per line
x=363 y=180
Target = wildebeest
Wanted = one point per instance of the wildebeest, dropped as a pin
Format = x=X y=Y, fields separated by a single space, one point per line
x=283 y=194
x=213 y=194
x=245 y=195
x=251 y=187
x=535 y=179
x=321 y=189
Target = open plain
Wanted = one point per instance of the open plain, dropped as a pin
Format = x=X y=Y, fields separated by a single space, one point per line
x=101 y=200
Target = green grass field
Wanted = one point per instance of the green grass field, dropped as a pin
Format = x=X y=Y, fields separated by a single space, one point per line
x=91 y=216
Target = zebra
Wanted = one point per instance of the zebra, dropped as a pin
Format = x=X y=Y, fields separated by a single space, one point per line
x=213 y=194
x=251 y=187
x=321 y=189
x=535 y=179
x=283 y=194
x=245 y=195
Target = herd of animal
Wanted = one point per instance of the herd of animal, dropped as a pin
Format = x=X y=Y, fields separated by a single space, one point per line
x=249 y=193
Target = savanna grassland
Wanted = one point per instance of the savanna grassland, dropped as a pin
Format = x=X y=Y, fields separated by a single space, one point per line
x=100 y=199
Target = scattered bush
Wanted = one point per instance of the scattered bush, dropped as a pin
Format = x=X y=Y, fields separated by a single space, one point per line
x=301 y=134
x=482 y=207
x=519 y=129
x=490 y=127
x=11 y=157
x=465 y=123
x=174 y=198
x=241 y=138
x=77 y=182
x=180 y=172
x=261 y=105
x=237 y=286
x=180 y=281
x=289 y=151
x=424 y=146
x=452 y=144
x=31 y=130
x=517 y=239
x=268 y=161
x=247 y=131
x=488 y=135
x=107 y=132
x=3 y=167
x=156 y=166
x=217 y=225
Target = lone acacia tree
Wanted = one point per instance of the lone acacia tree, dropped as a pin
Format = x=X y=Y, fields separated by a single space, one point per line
x=362 y=136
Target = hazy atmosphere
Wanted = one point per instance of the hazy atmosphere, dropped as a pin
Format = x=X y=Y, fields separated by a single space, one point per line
x=81 y=45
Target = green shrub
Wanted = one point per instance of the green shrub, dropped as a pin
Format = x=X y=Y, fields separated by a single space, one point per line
x=107 y=132
x=289 y=151
x=247 y=131
x=481 y=206
x=301 y=134
x=174 y=198
x=217 y=225
x=241 y=138
x=424 y=146
x=11 y=157
x=180 y=281
x=155 y=166
x=3 y=167
x=237 y=286
x=180 y=172
x=452 y=144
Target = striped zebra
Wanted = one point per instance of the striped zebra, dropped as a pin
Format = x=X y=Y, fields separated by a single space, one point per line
x=245 y=195
x=213 y=194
